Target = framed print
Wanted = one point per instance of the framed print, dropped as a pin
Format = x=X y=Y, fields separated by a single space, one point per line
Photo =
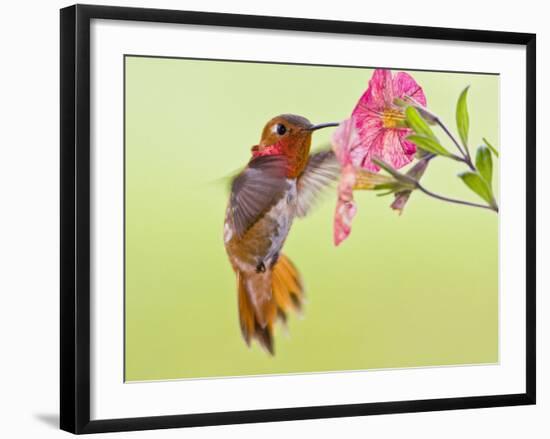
x=268 y=218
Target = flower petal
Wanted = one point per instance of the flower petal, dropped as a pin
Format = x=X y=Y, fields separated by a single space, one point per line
x=401 y=199
x=373 y=138
x=367 y=128
x=405 y=85
x=378 y=96
x=344 y=139
x=345 y=211
x=362 y=157
x=409 y=148
x=345 y=206
x=370 y=135
x=393 y=149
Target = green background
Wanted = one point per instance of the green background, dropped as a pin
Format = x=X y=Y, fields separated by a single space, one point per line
x=419 y=289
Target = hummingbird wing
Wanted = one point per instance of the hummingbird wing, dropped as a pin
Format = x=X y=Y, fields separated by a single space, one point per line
x=256 y=189
x=321 y=170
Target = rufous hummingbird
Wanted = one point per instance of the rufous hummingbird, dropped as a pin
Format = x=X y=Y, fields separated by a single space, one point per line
x=280 y=182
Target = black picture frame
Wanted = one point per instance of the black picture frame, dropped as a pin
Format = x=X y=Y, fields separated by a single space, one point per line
x=75 y=217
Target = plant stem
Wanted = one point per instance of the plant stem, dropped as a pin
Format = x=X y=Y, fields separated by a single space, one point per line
x=465 y=155
x=453 y=200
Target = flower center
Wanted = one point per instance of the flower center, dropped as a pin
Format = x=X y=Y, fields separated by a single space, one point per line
x=392 y=118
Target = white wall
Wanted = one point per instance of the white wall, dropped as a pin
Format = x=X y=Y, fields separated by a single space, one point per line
x=29 y=235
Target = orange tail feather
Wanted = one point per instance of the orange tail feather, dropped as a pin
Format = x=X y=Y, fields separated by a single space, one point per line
x=264 y=297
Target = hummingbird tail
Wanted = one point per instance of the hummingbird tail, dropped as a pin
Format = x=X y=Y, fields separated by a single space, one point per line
x=287 y=287
x=266 y=297
x=248 y=315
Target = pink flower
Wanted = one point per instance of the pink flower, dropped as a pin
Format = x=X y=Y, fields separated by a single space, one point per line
x=344 y=138
x=375 y=129
x=380 y=122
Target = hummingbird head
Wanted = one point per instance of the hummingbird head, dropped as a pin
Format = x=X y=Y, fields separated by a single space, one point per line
x=288 y=135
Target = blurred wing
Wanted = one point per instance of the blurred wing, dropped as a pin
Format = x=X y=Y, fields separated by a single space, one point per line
x=226 y=181
x=255 y=190
x=321 y=170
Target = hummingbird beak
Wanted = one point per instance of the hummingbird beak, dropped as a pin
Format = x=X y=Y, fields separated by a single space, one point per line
x=323 y=125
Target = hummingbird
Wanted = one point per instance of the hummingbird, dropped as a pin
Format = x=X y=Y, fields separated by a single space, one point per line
x=281 y=181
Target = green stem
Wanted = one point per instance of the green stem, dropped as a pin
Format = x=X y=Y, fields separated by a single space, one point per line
x=454 y=200
x=466 y=155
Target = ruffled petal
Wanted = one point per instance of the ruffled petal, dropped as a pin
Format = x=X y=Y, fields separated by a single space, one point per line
x=409 y=148
x=370 y=129
x=392 y=150
x=345 y=211
x=366 y=124
x=345 y=206
x=373 y=142
x=378 y=96
x=344 y=139
x=405 y=85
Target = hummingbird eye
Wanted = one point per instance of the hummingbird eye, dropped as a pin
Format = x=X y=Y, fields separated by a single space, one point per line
x=281 y=129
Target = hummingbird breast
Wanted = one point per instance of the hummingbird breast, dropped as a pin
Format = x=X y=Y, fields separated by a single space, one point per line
x=259 y=248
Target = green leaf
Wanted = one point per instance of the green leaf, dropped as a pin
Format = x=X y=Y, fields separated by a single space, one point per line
x=428 y=144
x=484 y=164
x=491 y=147
x=478 y=185
x=418 y=124
x=462 y=118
